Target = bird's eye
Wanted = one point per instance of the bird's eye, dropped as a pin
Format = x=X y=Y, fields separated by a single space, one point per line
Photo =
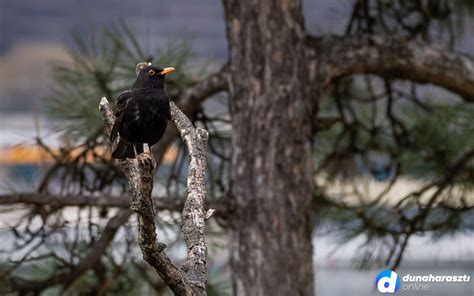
x=151 y=72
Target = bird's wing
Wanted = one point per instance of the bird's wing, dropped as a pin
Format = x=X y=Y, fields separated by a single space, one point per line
x=168 y=111
x=122 y=103
x=167 y=107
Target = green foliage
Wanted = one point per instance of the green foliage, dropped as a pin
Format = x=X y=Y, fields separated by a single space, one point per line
x=104 y=65
x=436 y=138
x=439 y=139
x=418 y=151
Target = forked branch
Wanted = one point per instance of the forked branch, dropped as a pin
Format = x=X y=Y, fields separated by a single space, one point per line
x=139 y=173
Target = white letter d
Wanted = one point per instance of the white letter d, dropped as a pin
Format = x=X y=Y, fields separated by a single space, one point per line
x=388 y=284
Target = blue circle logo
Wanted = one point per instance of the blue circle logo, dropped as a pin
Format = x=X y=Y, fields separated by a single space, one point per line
x=387 y=281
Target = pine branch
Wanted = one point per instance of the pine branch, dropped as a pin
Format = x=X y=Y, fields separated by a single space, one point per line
x=394 y=57
x=91 y=259
x=106 y=201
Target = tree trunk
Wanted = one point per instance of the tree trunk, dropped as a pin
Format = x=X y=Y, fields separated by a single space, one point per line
x=271 y=249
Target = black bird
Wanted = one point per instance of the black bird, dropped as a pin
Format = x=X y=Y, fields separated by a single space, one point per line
x=142 y=113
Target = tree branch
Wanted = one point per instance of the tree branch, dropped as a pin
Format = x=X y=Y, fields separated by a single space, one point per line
x=193 y=213
x=394 y=57
x=139 y=174
x=108 y=201
x=89 y=261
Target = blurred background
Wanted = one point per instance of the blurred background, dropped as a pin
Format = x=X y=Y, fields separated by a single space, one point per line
x=57 y=58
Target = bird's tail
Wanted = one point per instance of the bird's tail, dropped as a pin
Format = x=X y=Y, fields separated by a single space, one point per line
x=124 y=150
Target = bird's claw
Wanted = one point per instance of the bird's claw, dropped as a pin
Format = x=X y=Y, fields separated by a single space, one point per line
x=146 y=161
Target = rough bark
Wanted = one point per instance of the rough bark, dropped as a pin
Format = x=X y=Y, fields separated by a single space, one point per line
x=139 y=173
x=394 y=57
x=194 y=215
x=271 y=251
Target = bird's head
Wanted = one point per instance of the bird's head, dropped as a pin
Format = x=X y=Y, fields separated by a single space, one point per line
x=151 y=76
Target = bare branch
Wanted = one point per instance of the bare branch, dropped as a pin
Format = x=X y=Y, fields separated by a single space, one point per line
x=394 y=57
x=139 y=173
x=107 y=201
x=46 y=199
x=193 y=212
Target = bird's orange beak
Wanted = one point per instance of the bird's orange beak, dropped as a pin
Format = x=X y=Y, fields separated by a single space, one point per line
x=166 y=70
